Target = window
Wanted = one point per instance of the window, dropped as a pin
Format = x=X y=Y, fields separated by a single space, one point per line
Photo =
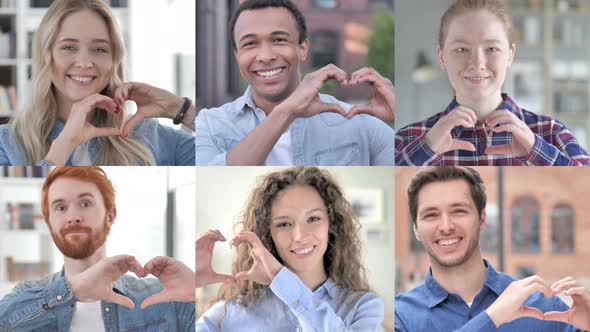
x=326 y=3
x=562 y=229
x=324 y=48
x=489 y=238
x=525 y=225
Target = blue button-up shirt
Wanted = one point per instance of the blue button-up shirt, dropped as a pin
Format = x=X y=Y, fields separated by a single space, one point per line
x=169 y=146
x=48 y=305
x=324 y=139
x=288 y=305
x=429 y=307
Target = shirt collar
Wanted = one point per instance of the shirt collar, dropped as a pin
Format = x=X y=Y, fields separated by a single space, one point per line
x=507 y=104
x=329 y=287
x=438 y=294
x=245 y=100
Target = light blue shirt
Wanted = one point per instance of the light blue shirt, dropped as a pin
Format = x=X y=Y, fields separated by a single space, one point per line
x=288 y=305
x=325 y=139
x=169 y=146
x=48 y=305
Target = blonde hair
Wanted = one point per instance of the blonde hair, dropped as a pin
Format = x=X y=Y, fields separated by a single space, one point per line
x=460 y=7
x=342 y=259
x=32 y=126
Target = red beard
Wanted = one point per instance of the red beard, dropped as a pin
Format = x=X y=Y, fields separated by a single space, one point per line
x=76 y=247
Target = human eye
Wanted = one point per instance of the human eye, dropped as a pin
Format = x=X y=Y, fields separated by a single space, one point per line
x=59 y=208
x=280 y=40
x=283 y=225
x=429 y=216
x=248 y=43
x=85 y=203
x=461 y=50
x=493 y=49
x=101 y=50
x=314 y=219
x=68 y=48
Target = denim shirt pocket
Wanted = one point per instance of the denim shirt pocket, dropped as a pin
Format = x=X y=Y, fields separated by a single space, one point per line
x=345 y=154
x=157 y=325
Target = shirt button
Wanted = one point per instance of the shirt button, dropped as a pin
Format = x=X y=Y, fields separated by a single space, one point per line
x=469 y=316
x=295 y=303
x=107 y=309
x=59 y=297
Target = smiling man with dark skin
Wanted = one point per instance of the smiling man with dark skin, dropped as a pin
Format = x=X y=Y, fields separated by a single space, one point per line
x=283 y=120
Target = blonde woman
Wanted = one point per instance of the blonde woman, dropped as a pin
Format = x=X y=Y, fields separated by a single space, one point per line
x=75 y=113
x=298 y=265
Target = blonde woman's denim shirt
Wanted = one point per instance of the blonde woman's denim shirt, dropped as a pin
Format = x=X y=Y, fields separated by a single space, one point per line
x=169 y=146
x=288 y=305
x=325 y=139
x=48 y=304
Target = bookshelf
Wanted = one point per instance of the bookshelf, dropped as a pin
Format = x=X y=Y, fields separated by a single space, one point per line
x=551 y=72
x=18 y=22
x=26 y=249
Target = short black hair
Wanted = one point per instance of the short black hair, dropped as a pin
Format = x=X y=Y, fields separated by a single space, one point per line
x=260 y=4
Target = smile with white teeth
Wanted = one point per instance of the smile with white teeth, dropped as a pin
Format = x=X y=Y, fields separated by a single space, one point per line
x=448 y=242
x=81 y=78
x=270 y=73
x=477 y=78
x=303 y=251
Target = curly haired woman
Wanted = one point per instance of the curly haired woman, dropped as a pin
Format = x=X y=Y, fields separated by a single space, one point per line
x=298 y=263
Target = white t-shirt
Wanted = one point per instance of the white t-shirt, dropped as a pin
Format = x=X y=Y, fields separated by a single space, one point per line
x=87 y=318
x=281 y=154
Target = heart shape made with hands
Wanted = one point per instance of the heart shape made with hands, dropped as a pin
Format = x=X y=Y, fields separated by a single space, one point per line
x=265 y=266
x=176 y=279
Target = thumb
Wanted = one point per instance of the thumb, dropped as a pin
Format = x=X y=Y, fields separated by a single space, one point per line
x=120 y=299
x=560 y=316
x=526 y=311
x=331 y=107
x=499 y=149
x=242 y=276
x=131 y=123
x=223 y=278
x=155 y=299
x=462 y=145
x=105 y=131
x=358 y=109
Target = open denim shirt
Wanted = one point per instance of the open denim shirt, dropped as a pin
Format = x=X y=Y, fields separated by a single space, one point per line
x=327 y=139
x=48 y=304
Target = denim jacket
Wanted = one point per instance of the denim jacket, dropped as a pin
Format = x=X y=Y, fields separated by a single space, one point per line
x=324 y=139
x=169 y=146
x=48 y=305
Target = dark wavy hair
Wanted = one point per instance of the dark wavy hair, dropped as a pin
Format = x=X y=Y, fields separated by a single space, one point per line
x=261 y=4
x=342 y=259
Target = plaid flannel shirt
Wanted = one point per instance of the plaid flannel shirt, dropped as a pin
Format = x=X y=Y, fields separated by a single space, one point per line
x=554 y=143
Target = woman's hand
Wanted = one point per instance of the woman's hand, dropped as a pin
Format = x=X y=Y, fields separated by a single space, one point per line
x=78 y=130
x=151 y=102
x=265 y=266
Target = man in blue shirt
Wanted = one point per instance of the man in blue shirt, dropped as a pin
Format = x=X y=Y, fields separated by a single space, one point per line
x=92 y=292
x=283 y=120
x=463 y=292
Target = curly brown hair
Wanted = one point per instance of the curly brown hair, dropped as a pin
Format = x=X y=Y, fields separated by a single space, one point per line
x=342 y=259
